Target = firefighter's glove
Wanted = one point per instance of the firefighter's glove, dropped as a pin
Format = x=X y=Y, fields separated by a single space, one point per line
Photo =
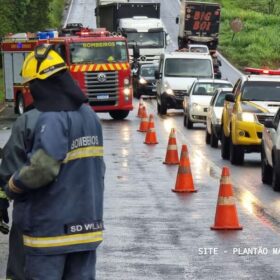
x=4 y=228
x=4 y=205
x=4 y=220
x=4 y=217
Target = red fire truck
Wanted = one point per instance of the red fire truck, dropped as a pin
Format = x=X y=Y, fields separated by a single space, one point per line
x=98 y=61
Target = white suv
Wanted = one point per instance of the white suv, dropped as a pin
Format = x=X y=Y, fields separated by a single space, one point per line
x=270 y=152
x=197 y=101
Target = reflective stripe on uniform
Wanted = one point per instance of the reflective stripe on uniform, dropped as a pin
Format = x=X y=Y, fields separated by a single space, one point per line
x=93 y=151
x=62 y=240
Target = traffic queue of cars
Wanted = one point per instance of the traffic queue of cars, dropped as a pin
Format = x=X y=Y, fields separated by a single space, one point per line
x=245 y=117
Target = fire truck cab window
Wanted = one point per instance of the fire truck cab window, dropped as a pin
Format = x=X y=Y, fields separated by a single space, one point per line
x=98 y=52
x=61 y=50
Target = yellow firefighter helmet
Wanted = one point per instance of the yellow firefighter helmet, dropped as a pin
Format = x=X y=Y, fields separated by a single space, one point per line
x=41 y=63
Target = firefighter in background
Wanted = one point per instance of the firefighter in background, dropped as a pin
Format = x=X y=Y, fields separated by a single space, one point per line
x=14 y=156
x=60 y=188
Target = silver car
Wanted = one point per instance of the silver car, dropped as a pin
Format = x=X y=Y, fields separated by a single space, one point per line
x=270 y=152
x=214 y=116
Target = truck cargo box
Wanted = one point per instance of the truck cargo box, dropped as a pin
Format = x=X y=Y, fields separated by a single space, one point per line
x=108 y=15
x=199 y=22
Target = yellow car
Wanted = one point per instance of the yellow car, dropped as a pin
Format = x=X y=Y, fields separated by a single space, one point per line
x=255 y=98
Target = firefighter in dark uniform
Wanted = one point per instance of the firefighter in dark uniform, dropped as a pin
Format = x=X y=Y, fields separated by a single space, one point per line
x=14 y=156
x=59 y=191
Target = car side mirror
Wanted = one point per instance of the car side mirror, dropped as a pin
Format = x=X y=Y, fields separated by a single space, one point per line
x=230 y=97
x=269 y=123
x=158 y=75
x=177 y=20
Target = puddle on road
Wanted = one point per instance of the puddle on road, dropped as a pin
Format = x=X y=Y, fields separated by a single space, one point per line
x=201 y=165
x=247 y=200
x=255 y=208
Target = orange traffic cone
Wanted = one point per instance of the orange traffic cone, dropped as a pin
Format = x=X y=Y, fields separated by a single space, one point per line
x=226 y=213
x=184 y=181
x=140 y=108
x=172 y=152
x=143 y=112
x=151 y=137
x=144 y=121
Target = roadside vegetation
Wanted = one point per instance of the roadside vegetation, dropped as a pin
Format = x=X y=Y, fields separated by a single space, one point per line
x=28 y=15
x=258 y=43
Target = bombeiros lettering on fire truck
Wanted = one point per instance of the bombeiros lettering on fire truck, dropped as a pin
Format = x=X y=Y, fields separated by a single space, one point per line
x=96 y=59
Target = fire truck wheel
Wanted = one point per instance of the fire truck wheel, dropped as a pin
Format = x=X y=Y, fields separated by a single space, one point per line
x=20 y=107
x=119 y=115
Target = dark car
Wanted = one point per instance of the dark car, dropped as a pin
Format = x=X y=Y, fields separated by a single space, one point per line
x=144 y=80
x=71 y=29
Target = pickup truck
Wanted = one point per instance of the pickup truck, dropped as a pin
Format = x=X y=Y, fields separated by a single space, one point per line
x=255 y=98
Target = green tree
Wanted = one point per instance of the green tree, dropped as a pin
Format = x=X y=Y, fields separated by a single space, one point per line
x=7 y=16
x=36 y=17
x=19 y=12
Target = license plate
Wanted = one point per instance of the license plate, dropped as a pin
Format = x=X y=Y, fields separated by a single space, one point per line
x=102 y=96
x=154 y=90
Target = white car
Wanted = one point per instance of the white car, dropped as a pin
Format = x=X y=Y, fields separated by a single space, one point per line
x=198 y=48
x=270 y=152
x=197 y=101
x=214 y=116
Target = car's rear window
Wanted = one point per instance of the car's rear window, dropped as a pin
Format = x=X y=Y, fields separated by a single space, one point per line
x=208 y=88
x=148 y=71
x=261 y=91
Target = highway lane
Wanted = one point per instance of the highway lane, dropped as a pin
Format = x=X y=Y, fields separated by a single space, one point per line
x=152 y=233
x=259 y=198
x=82 y=11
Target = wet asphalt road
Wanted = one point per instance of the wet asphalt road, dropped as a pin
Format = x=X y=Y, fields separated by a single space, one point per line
x=153 y=233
